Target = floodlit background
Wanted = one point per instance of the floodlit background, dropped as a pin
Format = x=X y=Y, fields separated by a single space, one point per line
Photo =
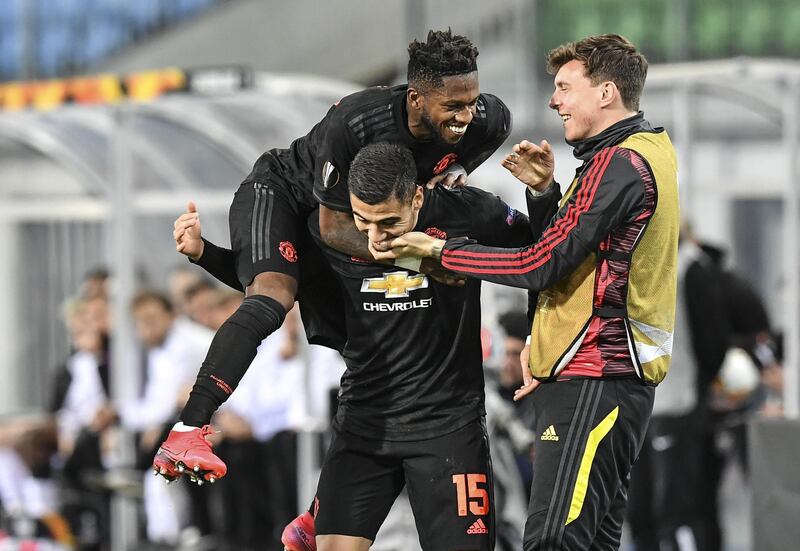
x=115 y=113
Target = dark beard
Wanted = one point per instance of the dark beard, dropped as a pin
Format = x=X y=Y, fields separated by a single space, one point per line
x=436 y=135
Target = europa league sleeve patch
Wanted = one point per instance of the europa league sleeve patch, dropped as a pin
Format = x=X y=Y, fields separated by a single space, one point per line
x=330 y=175
x=511 y=215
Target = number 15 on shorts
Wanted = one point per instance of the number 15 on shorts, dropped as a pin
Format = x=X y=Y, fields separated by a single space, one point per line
x=469 y=492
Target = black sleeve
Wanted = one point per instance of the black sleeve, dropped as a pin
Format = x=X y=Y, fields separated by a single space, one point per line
x=337 y=150
x=746 y=311
x=541 y=209
x=498 y=128
x=494 y=222
x=610 y=191
x=707 y=317
x=220 y=263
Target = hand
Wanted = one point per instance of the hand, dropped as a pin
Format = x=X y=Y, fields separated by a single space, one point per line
x=188 y=452
x=454 y=176
x=187 y=233
x=772 y=377
x=148 y=438
x=410 y=244
x=531 y=164
x=104 y=417
x=233 y=426
x=529 y=384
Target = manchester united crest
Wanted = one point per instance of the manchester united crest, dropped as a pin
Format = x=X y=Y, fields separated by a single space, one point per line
x=288 y=251
x=444 y=163
x=436 y=232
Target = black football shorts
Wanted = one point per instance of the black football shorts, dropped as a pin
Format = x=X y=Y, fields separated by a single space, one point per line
x=269 y=233
x=265 y=224
x=448 y=478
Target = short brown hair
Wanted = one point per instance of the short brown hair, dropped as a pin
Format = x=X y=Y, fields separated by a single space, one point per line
x=144 y=296
x=606 y=57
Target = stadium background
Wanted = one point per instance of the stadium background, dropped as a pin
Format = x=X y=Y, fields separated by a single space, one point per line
x=93 y=169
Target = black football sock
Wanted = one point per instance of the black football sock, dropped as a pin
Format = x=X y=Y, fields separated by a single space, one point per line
x=230 y=354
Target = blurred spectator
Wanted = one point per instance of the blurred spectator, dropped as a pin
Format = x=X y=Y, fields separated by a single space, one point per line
x=517 y=328
x=199 y=302
x=172 y=350
x=80 y=387
x=182 y=278
x=511 y=444
x=697 y=430
x=663 y=495
x=79 y=399
x=733 y=394
x=315 y=401
x=510 y=438
x=95 y=283
x=28 y=495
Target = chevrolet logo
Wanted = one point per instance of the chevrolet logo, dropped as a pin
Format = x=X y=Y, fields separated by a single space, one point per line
x=395 y=284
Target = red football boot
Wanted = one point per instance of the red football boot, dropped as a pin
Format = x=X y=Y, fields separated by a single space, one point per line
x=299 y=534
x=188 y=452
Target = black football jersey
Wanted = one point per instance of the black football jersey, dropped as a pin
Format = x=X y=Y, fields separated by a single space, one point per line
x=315 y=167
x=413 y=354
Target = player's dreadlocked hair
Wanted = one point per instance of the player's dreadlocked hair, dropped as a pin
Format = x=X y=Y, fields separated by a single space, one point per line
x=443 y=54
x=381 y=171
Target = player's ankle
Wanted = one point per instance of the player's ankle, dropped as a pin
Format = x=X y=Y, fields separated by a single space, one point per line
x=180 y=426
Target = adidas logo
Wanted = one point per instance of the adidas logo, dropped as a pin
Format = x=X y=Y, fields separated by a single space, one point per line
x=478 y=527
x=550 y=434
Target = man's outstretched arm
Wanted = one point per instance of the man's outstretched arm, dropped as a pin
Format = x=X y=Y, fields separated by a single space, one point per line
x=217 y=261
x=612 y=190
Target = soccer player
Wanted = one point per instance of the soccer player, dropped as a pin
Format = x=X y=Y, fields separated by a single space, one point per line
x=440 y=115
x=605 y=269
x=411 y=409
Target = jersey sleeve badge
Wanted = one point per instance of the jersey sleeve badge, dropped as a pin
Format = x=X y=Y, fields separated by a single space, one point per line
x=330 y=175
x=445 y=162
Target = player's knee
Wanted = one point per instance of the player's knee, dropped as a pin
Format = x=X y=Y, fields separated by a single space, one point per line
x=258 y=315
x=275 y=285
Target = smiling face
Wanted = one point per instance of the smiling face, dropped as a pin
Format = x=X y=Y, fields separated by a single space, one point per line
x=387 y=219
x=579 y=103
x=444 y=112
